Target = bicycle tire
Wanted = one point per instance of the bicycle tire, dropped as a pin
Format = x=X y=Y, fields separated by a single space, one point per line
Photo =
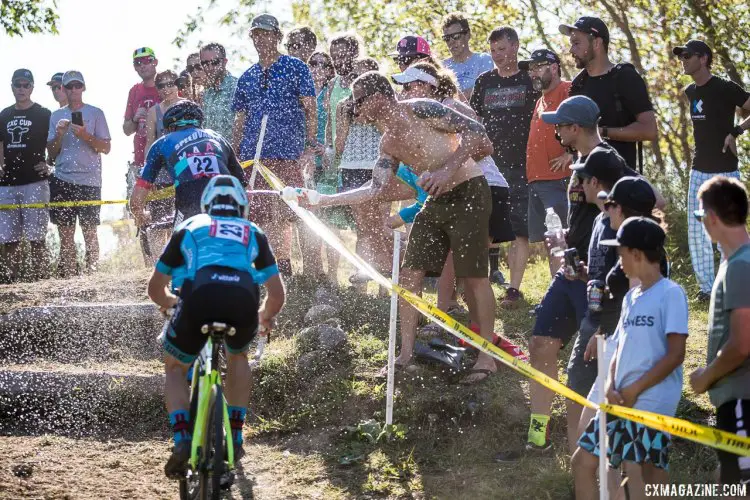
x=218 y=444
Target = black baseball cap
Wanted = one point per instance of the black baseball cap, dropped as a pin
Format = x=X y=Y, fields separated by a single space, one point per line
x=603 y=163
x=539 y=56
x=22 y=74
x=638 y=232
x=587 y=24
x=698 y=47
x=633 y=193
x=56 y=78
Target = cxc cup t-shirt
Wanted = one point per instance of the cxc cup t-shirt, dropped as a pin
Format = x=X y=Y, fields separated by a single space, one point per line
x=23 y=133
x=712 y=108
x=647 y=317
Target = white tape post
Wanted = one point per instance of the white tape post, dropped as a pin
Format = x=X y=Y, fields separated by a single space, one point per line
x=258 y=150
x=601 y=358
x=392 y=331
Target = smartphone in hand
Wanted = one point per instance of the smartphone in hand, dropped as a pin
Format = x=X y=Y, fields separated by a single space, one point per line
x=77 y=118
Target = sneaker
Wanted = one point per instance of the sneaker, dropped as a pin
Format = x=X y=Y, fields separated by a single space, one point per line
x=176 y=466
x=512 y=298
x=703 y=296
x=535 y=449
x=497 y=277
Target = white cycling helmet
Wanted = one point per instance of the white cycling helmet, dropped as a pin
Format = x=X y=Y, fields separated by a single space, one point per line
x=224 y=193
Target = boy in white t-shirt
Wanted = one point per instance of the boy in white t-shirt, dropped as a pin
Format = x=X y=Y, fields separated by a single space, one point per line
x=646 y=369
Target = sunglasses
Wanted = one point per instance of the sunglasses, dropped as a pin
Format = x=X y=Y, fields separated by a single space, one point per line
x=74 y=86
x=293 y=46
x=143 y=60
x=55 y=88
x=454 y=36
x=405 y=60
x=23 y=85
x=535 y=67
x=194 y=67
x=164 y=85
x=609 y=204
x=213 y=62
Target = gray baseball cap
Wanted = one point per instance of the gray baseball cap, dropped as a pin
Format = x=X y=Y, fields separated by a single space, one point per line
x=72 y=76
x=265 y=22
x=578 y=110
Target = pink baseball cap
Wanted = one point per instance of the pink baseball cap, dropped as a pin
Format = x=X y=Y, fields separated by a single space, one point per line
x=412 y=45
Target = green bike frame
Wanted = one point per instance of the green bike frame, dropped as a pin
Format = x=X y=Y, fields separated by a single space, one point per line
x=206 y=382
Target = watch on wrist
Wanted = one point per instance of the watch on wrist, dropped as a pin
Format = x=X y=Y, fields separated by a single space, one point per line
x=737 y=131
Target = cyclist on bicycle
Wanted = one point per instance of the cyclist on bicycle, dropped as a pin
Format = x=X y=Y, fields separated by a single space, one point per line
x=217 y=259
x=191 y=155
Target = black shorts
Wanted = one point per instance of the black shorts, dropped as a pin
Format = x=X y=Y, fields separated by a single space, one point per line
x=161 y=210
x=216 y=294
x=66 y=191
x=501 y=228
x=734 y=416
x=353 y=178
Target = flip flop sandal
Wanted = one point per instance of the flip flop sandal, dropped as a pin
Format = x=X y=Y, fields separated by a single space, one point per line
x=462 y=375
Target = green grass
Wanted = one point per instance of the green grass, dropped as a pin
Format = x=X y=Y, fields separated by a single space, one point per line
x=451 y=432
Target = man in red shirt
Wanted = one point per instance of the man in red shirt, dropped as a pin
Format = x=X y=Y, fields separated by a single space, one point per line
x=141 y=97
x=546 y=160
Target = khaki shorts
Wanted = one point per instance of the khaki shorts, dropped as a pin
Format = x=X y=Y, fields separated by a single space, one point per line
x=459 y=221
x=15 y=224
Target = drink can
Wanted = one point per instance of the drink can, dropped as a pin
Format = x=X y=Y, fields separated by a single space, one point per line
x=595 y=290
x=571 y=262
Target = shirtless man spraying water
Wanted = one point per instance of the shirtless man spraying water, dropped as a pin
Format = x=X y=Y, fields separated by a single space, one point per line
x=441 y=146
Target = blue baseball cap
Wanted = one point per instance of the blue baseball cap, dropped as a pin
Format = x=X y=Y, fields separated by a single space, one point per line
x=576 y=110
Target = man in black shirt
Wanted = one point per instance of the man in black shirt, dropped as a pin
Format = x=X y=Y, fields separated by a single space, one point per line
x=504 y=98
x=713 y=102
x=23 y=179
x=627 y=116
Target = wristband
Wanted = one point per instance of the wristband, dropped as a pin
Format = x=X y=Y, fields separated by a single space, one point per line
x=737 y=131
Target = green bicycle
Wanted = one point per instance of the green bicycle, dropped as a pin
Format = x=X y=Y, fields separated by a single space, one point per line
x=212 y=434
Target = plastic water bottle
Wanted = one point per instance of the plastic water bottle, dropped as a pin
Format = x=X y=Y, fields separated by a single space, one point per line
x=293 y=194
x=554 y=232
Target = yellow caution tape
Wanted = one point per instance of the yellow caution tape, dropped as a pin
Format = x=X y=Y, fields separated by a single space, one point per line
x=61 y=204
x=709 y=436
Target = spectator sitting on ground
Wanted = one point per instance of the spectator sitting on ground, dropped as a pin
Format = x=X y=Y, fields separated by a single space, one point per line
x=76 y=150
x=23 y=179
x=726 y=376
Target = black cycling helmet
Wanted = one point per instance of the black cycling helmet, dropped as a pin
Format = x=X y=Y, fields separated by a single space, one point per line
x=183 y=114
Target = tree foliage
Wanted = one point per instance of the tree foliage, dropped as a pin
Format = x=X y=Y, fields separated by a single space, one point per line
x=28 y=16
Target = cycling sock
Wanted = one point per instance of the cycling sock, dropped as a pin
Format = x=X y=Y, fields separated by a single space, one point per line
x=285 y=267
x=494 y=258
x=236 y=421
x=538 y=429
x=180 y=421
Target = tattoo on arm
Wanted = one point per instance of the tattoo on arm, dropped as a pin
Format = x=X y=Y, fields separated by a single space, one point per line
x=445 y=119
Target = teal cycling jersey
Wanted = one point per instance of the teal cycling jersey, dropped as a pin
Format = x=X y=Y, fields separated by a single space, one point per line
x=204 y=240
x=406 y=175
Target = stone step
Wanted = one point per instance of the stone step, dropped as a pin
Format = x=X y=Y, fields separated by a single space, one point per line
x=74 y=333
x=107 y=400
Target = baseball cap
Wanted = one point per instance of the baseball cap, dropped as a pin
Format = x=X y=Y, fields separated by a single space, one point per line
x=143 y=52
x=539 y=56
x=638 y=232
x=587 y=24
x=265 y=22
x=412 y=45
x=413 y=74
x=56 y=78
x=578 y=110
x=633 y=193
x=22 y=74
x=693 y=47
x=72 y=76
x=603 y=163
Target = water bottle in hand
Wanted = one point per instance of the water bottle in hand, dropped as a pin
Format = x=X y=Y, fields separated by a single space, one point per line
x=554 y=232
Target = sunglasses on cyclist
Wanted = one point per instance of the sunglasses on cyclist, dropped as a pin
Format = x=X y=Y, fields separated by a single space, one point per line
x=22 y=85
x=74 y=86
x=164 y=85
x=454 y=36
x=194 y=67
x=143 y=60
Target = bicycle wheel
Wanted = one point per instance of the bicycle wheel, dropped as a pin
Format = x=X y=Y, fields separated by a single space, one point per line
x=212 y=455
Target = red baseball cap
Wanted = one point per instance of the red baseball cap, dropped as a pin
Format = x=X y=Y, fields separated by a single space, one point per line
x=412 y=45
